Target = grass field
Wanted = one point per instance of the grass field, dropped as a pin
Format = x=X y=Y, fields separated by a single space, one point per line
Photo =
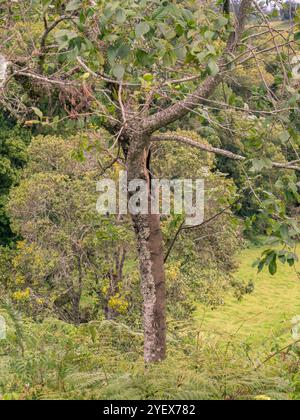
x=262 y=316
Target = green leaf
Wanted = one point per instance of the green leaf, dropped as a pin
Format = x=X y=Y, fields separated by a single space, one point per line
x=63 y=38
x=259 y=164
x=123 y=51
x=169 y=58
x=253 y=142
x=148 y=77
x=292 y=259
x=284 y=136
x=275 y=13
x=38 y=112
x=73 y=5
x=221 y=22
x=112 y=54
x=213 y=68
x=119 y=71
x=284 y=232
x=143 y=58
x=268 y=164
x=209 y=35
x=121 y=16
x=181 y=52
x=203 y=56
x=282 y=257
x=273 y=265
x=142 y=29
x=167 y=31
x=261 y=266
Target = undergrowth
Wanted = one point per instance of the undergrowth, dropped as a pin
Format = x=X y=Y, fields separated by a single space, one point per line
x=103 y=360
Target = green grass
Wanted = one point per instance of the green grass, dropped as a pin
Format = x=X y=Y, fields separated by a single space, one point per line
x=261 y=316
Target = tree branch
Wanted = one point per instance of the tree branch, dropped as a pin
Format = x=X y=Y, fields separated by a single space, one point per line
x=183 y=228
x=288 y=347
x=44 y=79
x=171 y=246
x=182 y=108
x=48 y=30
x=214 y=150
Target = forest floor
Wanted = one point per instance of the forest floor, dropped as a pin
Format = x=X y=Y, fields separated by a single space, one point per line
x=262 y=316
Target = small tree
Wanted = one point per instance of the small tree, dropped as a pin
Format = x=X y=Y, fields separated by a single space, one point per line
x=68 y=251
x=137 y=68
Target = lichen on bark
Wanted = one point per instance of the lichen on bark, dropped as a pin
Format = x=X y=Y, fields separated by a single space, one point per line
x=3 y=70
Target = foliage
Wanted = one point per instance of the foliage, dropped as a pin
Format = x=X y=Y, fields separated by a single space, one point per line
x=61 y=361
x=63 y=260
x=218 y=356
x=13 y=156
x=137 y=41
x=53 y=210
x=203 y=257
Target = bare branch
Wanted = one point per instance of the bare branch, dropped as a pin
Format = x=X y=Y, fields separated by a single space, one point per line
x=276 y=353
x=44 y=79
x=214 y=150
x=182 y=228
x=172 y=244
x=120 y=93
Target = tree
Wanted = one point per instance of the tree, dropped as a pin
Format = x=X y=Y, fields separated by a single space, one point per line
x=68 y=253
x=289 y=10
x=137 y=68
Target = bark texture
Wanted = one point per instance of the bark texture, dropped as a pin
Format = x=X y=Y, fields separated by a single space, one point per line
x=151 y=256
x=150 y=249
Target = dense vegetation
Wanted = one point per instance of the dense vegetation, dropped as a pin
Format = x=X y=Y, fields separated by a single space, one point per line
x=13 y=156
x=162 y=89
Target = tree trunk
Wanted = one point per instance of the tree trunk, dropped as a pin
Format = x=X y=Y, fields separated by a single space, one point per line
x=115 y=279
x=111 y=313
x=150 y=249
x=151 y=257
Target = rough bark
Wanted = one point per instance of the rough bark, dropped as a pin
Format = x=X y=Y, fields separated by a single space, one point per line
x=150 y=250
x=3 y=70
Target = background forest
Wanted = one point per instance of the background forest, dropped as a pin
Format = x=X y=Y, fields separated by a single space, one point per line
x=164 y=89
